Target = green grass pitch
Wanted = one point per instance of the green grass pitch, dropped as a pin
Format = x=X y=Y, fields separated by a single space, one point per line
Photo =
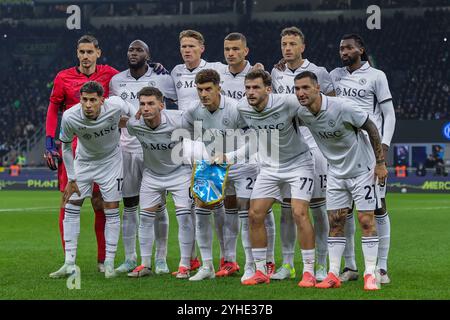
x=30 y=249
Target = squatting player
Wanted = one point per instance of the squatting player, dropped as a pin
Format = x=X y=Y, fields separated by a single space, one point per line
x=65 y=94
x=352 y=171
x=95 y=121
x=368 y=88
x=126 y=85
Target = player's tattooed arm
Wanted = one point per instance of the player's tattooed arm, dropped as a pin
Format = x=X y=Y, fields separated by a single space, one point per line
x=375 y=140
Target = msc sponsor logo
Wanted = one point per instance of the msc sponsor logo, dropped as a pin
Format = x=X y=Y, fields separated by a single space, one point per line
x=286 y=89
x=128 y=95
x=159 y=146
x=278 y=126
x=330 y=134
x=234 y=94
x=100 y=133
x=185 y=84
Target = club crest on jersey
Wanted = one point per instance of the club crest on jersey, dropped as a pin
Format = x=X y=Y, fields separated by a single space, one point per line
x=152 y=83
x=225 y=121
x=81 y=128
x=280 y=89
x=179 y=84
x=122 y=85
x=362 y=81
x=145 y=145
x=124 y=95
x=331 y=123
x=276 y=115
x=338 y=91
x=337 y=79
x=110 y=119
x=87 y=136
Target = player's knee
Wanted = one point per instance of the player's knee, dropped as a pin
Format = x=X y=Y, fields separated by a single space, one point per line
x=256 y=217
x=131 y=201
x=300 y=214
x=97 y=201
x=336 y=219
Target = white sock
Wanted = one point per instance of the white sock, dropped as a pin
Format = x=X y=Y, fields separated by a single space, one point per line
x=219 y=220
x=349 y=252
x=129 y=227
x=146 y=236
x=245 y=236
x=230 y=235
x=112 y=233
x=204 y=233
x=71 y=225
x=308 y=257
x=336 y=247
x=161 y=233
x=321 y=230
x=186 y=233
x=288 y=234
x=270 y=227
x=384 y=235
x=370 y=252
x=260 y=254
x=194 y=248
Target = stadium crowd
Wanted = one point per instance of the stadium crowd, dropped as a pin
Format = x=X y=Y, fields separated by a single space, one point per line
x=412 y=51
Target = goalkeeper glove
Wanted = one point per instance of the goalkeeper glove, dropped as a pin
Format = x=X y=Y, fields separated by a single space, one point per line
x=51 y=154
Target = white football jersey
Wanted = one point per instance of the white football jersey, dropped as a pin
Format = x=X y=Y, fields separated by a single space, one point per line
x=97 y=139
x=184 y=80
x=278 y=116
x=157 y=143
x=232 y=85
x=366 y=86
x=336 y=131
x=283 y=82
x=125 y=86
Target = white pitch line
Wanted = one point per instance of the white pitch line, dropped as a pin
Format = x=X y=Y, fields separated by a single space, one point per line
x=417 y=208
x=27 y=209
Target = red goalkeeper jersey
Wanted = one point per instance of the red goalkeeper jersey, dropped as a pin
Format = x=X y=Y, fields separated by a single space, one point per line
x=66 y=91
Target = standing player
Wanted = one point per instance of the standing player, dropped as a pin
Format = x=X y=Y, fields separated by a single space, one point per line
x=97 y=159
x=161 y=174
x=65 y=94
x=192 y=46
x=292 y=48
x=352 y=171
x=232 y=85
x=126 y=85
x=369 y=88
x=275 y=114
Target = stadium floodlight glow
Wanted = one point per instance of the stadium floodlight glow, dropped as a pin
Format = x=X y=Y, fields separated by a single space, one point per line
x=446 y=131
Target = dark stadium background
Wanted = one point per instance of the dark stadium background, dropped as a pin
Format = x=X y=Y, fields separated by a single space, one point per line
x=412 y=48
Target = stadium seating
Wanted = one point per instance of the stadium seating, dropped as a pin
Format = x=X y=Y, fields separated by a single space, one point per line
x=411 y=51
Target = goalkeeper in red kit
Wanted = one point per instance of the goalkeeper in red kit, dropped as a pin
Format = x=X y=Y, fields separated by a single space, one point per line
x=65 y=94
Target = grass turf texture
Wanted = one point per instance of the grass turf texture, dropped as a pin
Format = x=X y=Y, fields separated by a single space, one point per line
x=31 y=249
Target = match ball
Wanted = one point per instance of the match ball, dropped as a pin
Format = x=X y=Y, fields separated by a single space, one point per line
x=404 y=190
